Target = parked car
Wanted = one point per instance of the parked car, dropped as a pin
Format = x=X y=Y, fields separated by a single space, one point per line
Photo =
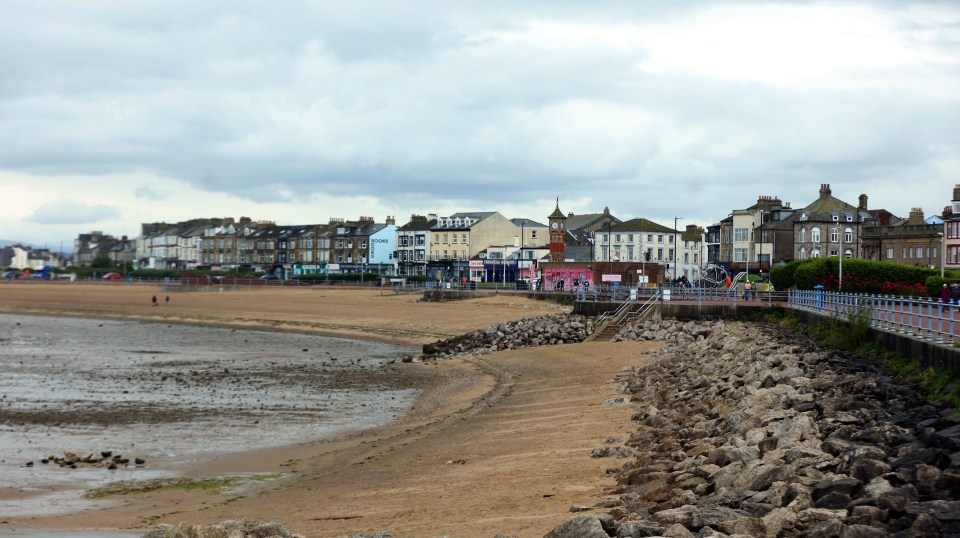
x=10 y=275
x=269 y=277
x=113 y=276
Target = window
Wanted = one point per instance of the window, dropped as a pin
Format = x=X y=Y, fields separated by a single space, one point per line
x=670 y=255
x=848 y=253
x=463 y=238
x=649 y=238
x=834 y=235
x=446 y=238
x=739 y=254
x=890 y=253
x=630 y=238
x=660 y=253
x=848 y=236
x=803 y=235
x=686 y=257
x=834 y=252
x=454 y=238
x=815 y=236
x=436 y=238
x=740 y=234
x=904 y=252
x=953 y=228
x=421 y=240
x=671 y=239
x=445 y=256
x=836 y=218
x=919 y=252
x=696 y=258
x=660 y=238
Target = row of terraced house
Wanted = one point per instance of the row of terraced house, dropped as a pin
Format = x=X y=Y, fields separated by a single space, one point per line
x=487 y=246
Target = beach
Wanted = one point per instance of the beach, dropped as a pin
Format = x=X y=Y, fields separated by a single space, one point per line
x=497 y=443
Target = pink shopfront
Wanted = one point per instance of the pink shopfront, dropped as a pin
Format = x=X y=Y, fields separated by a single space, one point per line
x=566 y=278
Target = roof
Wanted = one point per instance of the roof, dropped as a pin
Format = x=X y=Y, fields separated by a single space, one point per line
x=641 y=225
x=527 y=222
x=557 y=214
x=827 y=206
x=418 y=225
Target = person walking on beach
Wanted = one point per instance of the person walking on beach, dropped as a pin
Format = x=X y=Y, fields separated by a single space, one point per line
x=154 y=299
x=168 y=300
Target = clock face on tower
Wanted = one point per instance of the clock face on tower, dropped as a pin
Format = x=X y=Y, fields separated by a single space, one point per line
x=555 y=225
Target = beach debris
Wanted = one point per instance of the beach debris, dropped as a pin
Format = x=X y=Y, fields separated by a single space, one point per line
x=457 y=462
x=105 y=459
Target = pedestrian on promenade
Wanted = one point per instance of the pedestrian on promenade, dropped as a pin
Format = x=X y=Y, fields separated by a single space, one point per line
x=955 y=293
x=746 y=291
x=945 y=294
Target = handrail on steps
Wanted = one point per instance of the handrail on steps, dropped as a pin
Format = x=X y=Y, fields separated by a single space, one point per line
x=643 y=308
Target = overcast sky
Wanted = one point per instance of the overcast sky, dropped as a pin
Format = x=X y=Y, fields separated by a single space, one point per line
x=114 y=113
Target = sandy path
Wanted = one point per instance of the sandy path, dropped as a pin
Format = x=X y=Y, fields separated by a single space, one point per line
x=524 y=422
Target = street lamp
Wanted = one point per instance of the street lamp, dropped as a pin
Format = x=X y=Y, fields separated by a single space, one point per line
x=609 y=246
x=676 y=246
x=943 y=252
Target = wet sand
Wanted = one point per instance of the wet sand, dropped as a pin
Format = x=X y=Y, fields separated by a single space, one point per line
x=496 y=444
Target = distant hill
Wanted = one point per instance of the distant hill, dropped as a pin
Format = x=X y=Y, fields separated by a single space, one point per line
x=7 y=243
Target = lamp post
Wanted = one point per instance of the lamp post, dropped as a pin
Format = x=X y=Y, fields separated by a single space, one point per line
x=610 y=246
x=840 y=279
x=676 y=246
x=943 y=251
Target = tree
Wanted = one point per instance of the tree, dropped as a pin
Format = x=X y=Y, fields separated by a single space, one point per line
x=101 y=261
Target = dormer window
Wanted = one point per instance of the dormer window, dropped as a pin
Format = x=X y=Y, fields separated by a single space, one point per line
x=836 y=218
x=849 y=218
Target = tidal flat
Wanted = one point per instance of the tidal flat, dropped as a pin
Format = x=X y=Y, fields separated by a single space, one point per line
x=170 y=395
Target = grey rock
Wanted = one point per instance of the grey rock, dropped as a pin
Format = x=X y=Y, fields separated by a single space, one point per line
x=640 y=529
x=579 y=527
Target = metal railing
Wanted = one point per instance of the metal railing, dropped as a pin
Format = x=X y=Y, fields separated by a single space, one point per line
x=920 y=317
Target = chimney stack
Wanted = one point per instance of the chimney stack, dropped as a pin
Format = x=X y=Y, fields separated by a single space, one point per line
x=824 y=190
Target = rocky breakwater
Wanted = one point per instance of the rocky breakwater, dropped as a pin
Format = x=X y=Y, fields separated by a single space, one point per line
x=750 y=430
x=531 y=331
x=227 y=529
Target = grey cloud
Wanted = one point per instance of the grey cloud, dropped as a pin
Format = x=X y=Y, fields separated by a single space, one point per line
x=73 y=213
x=373 y=98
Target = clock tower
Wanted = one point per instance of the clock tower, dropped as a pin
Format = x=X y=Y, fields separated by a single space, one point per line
x=557 y=222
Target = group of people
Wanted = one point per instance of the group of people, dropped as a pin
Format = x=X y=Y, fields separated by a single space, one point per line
x=950 y=294
x=154 y=299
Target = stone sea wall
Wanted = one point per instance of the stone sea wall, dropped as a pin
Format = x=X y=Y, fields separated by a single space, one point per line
x=748 y=430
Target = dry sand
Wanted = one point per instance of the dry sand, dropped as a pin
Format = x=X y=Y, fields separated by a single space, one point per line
x=497 y=443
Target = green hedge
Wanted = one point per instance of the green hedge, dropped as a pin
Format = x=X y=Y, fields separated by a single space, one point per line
x=783 y=276
x=859 y=276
